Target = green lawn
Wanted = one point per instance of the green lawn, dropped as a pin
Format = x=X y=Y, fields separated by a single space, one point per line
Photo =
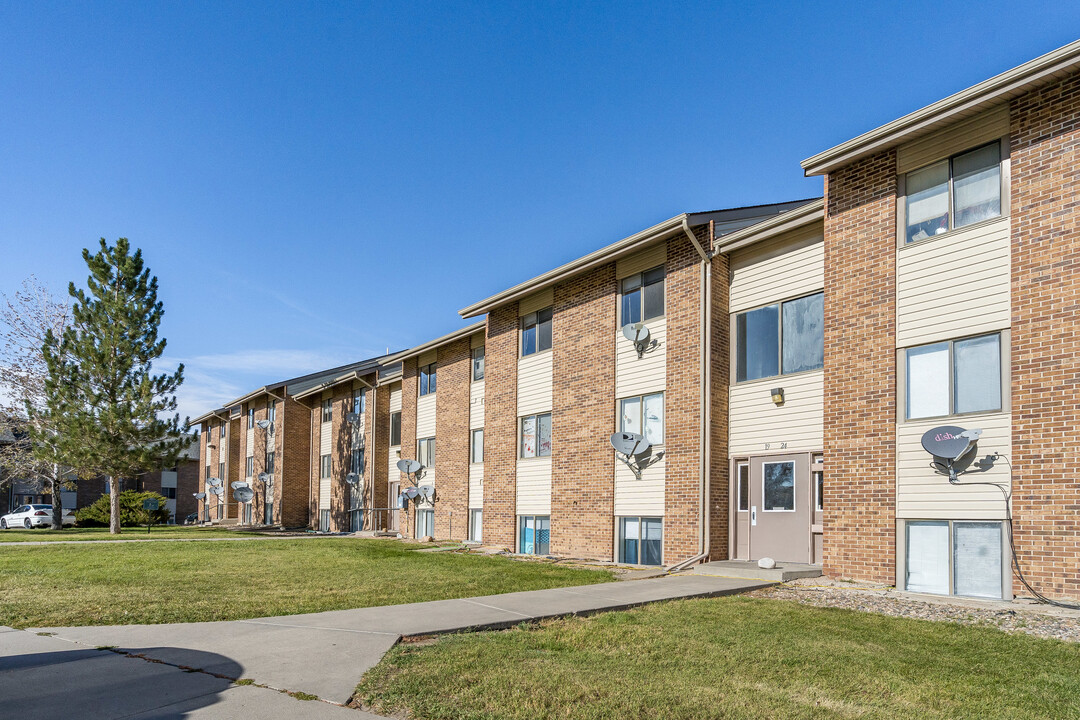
x=729 y=658
x=102 y=584
x=158 y=532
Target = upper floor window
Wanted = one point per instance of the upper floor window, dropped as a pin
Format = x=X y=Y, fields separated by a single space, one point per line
x=209 y=434
x=324 y=466
x=643 y=296
x=395 y=428
x=782 y=338
x=359 y=403
x=425 y=452
x=536 y=332
x=955 y=192
x=327 y=410
x=954 y=377
x=251 y=418
x=356 y=463
x=478 y=363
x=271 y=411
x=249 y=466
x=476 y=452
x=427 y=379
x=536 y=435
x=270 y=463
x=644 y=415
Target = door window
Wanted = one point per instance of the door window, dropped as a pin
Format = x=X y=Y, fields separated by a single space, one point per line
x=778 y=486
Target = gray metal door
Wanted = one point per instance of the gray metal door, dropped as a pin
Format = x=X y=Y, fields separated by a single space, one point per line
x=780 y=508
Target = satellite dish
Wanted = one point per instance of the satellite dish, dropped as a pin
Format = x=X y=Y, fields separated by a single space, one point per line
x=949 y=441
x=638 y=334
x=412 y=492
x=265 y=477
x=218 y=490
x=238 y=484
x=243 y=495
x=265 y=425
x=352 y=418
x=199 y=495
x=352 y=478
x=426 y=491
x=408 y=467
x=629 y=444
x=214 y=482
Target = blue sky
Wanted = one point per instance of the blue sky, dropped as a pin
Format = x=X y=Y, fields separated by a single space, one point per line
x=315 y=182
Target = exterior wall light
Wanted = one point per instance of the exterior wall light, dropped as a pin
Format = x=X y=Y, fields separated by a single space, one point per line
x=777 y=396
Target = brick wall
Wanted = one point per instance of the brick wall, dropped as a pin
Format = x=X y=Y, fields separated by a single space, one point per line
x=860 y=370
x=235 y=462
x=720 y=366
x=378 y=448
x=410 y=389
x=340 y=457
x=583 y=415
x=452 y=439
x=500 y=427
x=293 y=476
x=1045 y=130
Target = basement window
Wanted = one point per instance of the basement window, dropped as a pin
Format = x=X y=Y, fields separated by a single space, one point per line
x=534 y=534
x=641 y=540
x=957 y=557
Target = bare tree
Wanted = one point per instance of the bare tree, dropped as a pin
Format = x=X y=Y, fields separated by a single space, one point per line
x=27 y=320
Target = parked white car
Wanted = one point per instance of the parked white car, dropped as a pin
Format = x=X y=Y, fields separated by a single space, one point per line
x=32 y=516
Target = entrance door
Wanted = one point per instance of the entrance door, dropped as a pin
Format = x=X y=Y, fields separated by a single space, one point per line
x=392 y=520
x=780 y=508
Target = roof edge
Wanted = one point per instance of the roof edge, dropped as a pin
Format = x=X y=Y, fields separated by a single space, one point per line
x=790 y=220
x=437 y=342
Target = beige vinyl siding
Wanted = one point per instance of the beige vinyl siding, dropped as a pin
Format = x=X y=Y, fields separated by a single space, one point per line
x=534 y=383
x=635 y=376
x=921 y=493
x=427 y=358
x=250 y=445
x=325 y=444
x=788 y=266
x=966 y=134
x=798 y=424
x=395 y=474
x=425 y=417
x=476 y=486
x=646 y=259
x=476 y=405
x=534 y=486
x=476 y=341
x=537 y=301
x=395 y=397
x=639 y=497
x=954 y=285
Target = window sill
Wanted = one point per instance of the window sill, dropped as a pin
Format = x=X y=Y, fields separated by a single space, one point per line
x=538 y=457
x=956 y=416
x=954 y=232
x=774 y=378
x=534 y=354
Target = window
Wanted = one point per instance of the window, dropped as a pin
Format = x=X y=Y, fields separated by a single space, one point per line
x=959 y=191
x=476 y=454
x=778 y=486
x=534 y=534
x=221 y=471
x=209 y=474
x=327 y=410
x=476 y=525
x=395 y=428
x=251 y=418
x=324 y=521
x=743 y=470
x=644 y=415
x=536 y=332
x=356 y=462
x=818 y=477
x=954 y=377
x=270 y=463
x=271 y=411
x=975 y=549
x=425 y=452
x=169 y=492
x=223 y=430
x=427 y=379
x=209 y=435
x=536 y=435
x=324 y=466
x=359 y=402
x=249 y=466
x=643 y=296
x=640 y=540
x=478 y=363
x=781 y=338
x=425 y=523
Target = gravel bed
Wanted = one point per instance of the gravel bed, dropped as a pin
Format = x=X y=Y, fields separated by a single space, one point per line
x=1039 y=620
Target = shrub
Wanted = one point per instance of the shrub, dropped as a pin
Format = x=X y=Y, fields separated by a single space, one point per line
x=131 y=510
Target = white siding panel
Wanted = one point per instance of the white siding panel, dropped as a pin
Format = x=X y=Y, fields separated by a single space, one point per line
x=921 y=493
x=324 y=493
x=250 y=443
x=755 y=421
x=395 y=474
x=534 y=486
x=426 y=358
x=168 y=479
x=534 y=383
x=641 y=261
x=640 y=497
x=954 y=285
x=425 y=417
x=786 y=267
x=476 y=340
x=476 y=405
x=536 y=301
x=395 y=398
x=958 y=137
x=649 y=374
x=325 y=433
x=476 y=485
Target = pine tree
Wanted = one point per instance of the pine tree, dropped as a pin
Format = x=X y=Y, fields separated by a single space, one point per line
x=102 y=396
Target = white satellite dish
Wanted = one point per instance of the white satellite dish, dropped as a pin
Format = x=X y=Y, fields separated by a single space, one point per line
x=411 y=492
x=629 y=444
x=238 y=484
x=244 y=495
x=214 y=482
x=426 y=491
x=352 y=418
x=199 y=495
x=265 y=477
x=638 y=334
x=266 y=425
x=217 y=490
x=408 y=467
x=352 y=478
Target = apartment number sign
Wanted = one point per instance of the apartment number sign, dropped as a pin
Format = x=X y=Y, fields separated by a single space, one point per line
x=778 y=446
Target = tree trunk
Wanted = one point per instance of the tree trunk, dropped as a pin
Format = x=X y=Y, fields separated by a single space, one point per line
x=57 y=502
x=114 y=506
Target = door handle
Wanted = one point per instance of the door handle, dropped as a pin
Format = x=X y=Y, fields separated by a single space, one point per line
x=753 y=514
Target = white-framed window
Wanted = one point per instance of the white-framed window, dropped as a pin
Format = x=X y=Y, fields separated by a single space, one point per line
x=778 y=486
x=209 y=435
x=780 y=339
x=328 y=410
x=324 y=520
x=425 y=452
x=642 y=296
x=395 y=428
x=742 y=471
x=641 y=540
x=324 y=466
x=960 y=190
x=478 y=363
x=534 y=534
x=222 y=430
x=427 y=379
x=250 y=418
x=356 y=461
x=954 y=377
x=644 y=415
x=957 y=557
x=425 y=523
x=535 y=436
x=359 y=403
x=221 y=471
x=536 y=332
x=249 y=466
x=270 y=463
x=476 y=525
x=818 y=478
x=476 y=448
x=271 y=410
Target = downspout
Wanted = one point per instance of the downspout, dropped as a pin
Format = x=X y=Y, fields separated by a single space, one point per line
x=371 y=455
x=704 y=399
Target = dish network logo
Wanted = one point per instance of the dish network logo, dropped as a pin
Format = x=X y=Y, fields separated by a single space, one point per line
x=946 y=436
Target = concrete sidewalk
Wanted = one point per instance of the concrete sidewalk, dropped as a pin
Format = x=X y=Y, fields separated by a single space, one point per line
x=326 y=654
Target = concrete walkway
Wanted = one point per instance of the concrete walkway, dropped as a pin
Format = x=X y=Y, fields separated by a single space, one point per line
x=326 y=654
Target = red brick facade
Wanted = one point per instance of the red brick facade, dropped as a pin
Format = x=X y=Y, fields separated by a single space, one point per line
x=500 y=427
x=452 y=371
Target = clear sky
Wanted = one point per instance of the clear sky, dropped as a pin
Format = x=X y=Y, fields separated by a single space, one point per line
x=315 y=182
